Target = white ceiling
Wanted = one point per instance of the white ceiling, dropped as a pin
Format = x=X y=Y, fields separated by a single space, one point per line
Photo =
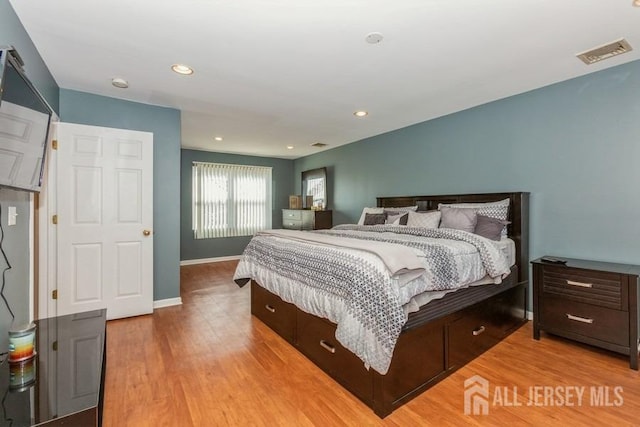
x=272 y=73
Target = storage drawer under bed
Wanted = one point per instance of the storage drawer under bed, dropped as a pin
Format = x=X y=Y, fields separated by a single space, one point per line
x=481 y=326
x=316 y=340
x=279 y=315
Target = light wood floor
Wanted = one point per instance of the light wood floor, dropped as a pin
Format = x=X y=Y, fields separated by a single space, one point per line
x=208 y=362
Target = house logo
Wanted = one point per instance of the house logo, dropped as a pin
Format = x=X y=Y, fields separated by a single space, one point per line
x=476 y=396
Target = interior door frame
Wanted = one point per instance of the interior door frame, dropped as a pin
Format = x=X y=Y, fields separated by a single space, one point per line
x=45 y=252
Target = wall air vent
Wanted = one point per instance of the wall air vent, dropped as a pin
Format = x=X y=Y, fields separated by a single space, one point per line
x=319 y=144
x=606 y=51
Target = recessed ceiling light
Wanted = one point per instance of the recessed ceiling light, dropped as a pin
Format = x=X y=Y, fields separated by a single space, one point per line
x=119 y=83
x=373 y=38
x=182 y=69
x=360 y=113
x=218 y=138
x=289 y=147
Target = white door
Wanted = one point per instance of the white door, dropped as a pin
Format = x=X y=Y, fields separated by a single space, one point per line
x=104 y=183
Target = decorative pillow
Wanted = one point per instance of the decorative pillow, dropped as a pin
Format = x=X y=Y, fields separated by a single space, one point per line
x=424 y=219
x=488 y=227
x=397 y=218
x=460 y=219
x=371 y=211
x=499 y=209
x=374 y=219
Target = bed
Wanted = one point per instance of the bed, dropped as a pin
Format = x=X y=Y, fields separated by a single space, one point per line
x=433 y=340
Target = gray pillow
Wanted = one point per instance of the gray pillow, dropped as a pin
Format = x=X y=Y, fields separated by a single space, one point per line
x=459 y=219
x=374 y=219
x=488 y=227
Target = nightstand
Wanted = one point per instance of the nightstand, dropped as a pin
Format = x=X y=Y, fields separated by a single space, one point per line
x=591 y=302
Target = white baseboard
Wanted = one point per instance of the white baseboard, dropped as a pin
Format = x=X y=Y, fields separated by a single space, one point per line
x=529 y=315
x=207 y=260
x=167 y=302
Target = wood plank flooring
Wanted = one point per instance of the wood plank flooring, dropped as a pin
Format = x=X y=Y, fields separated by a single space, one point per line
x=208 y=362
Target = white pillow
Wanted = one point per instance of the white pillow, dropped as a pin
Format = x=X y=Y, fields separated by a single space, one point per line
x=366 y=211
x=402 y=209
x=429 y=219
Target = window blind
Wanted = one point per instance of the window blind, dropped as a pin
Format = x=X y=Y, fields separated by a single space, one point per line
x=230 y=200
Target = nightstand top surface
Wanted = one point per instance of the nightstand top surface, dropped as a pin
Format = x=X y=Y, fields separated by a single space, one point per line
x=593 y=265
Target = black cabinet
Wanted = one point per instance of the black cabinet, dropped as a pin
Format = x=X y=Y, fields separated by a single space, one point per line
x=64 y=383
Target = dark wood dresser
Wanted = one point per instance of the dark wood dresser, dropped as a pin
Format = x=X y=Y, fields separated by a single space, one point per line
x=591 y=302
x=306 y=219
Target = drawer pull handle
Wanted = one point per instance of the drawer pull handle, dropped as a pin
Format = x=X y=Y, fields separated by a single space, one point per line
x=582 y=285
x=270 y=308
x=331 y=349
x=579 y=319
x=478 y=331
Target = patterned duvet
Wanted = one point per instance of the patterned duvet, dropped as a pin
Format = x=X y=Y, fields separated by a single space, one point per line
x=354 y=288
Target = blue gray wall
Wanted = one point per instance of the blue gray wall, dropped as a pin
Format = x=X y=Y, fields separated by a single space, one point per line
x=16 y=238
x=84 y=108
x=574 y=145
x=282 y=186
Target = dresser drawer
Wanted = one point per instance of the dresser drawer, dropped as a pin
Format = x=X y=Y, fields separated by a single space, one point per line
x=279 y=315
x=566 y=315
x=291 y=214
x=316 y=339
x=292 y=224
x=592 y=287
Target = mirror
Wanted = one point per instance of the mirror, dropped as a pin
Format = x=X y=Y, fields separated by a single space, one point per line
x=314 y=184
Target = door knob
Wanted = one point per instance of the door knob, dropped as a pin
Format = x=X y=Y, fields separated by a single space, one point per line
x=146 y=232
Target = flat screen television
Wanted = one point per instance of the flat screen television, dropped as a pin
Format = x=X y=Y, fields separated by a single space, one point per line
x=25 y=118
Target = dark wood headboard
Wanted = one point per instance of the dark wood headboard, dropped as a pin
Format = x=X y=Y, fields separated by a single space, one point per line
x=518 y=230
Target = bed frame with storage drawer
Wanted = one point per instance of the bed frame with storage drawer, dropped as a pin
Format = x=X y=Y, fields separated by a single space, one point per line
x=441 y=337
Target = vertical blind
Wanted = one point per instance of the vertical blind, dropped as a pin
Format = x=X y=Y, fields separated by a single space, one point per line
x=230 y=200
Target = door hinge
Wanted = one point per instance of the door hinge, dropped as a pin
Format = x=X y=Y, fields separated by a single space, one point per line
x=54 y=144
x=54 y=294
x=54 y=219
x=55 y=346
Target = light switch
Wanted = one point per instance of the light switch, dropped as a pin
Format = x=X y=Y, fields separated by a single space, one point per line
x=11 y=215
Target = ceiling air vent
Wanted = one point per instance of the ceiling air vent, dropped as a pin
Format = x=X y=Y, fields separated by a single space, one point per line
x=319 y=144
x=606 y=51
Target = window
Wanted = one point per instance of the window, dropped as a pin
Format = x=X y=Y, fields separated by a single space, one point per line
x=230 y=200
